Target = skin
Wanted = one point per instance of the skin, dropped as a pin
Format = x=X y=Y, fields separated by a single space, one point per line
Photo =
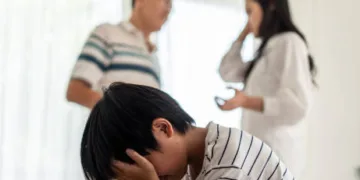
x=255 y=14
x=148 y=16
x=178 y=150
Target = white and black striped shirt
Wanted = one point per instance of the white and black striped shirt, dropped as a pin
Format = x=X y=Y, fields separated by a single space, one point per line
x=234 y=154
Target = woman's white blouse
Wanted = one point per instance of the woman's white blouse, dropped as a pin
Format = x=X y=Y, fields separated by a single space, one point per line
x=282 y=78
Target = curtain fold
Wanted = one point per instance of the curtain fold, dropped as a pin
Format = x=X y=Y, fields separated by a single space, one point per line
x=40 y=131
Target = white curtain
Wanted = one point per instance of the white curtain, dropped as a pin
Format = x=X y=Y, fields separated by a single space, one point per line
x=191 y=46
x=40 y=39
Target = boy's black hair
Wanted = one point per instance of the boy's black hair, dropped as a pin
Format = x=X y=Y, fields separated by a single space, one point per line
x=123 y=119
x=133 y=3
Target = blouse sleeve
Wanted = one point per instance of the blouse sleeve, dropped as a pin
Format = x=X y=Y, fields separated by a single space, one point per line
x=232 y=67
x=292 y=100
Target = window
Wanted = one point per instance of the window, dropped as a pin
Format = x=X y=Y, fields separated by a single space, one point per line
x=191 y=46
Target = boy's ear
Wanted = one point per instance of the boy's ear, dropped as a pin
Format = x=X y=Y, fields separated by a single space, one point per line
x=163 y=126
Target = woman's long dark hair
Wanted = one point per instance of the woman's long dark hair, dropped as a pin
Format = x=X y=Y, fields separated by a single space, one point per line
x=276 y=19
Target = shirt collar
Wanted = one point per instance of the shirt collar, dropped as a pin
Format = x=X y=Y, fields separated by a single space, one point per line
x=128 y=26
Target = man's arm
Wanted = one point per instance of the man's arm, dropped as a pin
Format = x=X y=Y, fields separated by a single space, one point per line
x=89 y=68
x=81 y=93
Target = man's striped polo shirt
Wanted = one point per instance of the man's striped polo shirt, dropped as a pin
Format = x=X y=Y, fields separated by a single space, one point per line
x=114 y=53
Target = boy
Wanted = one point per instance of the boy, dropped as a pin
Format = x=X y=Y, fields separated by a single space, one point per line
x=137 y=132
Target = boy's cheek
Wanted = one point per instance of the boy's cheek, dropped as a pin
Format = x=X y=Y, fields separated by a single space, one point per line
x=164 y=170
x=161 y=171
x=158 y=168
x=168 y=167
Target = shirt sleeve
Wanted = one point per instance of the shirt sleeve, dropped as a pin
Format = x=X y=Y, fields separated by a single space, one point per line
x=94 y=58
x=254 y=159
x=226 y=172
x=264 y=164
x=289 y=61
x=276 y=171
x=232 y=68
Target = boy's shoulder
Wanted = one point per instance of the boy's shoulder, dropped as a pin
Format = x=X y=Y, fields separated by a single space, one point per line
x=233 y=153
x=226 y=146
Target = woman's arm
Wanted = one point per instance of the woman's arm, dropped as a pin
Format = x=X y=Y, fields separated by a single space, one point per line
x=294 y=96
x=232 y=67
x=289 y=61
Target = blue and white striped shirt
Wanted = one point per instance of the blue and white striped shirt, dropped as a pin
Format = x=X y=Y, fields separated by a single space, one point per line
x=117 y=53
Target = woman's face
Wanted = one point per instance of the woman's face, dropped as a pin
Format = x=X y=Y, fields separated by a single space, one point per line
x=255 y=14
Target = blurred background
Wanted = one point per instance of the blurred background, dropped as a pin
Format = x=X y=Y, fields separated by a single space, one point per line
x=41 y=39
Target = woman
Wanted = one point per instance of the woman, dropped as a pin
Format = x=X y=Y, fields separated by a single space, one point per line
x=278 y=83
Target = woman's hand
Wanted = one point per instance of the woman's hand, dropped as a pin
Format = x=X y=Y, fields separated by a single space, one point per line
x=141 y=170
x=244 y=101
x=245 y=32
x=239 y=100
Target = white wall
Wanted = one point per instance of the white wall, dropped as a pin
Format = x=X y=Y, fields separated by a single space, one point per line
x=333 y=29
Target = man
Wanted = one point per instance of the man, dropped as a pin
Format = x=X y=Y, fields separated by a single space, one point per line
x=138 y=132
x=121 y=52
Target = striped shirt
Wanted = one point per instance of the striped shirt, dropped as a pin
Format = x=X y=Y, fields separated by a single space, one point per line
x=117 y=53
x=234 y=154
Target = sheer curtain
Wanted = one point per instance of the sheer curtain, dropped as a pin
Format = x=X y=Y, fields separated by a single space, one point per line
x=39 y=131
x=40 y=40
x=191 y=46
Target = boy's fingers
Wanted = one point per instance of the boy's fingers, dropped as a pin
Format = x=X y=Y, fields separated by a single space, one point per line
x=121 y=167
x=120 y=178
x=122 y=170
x=139 y=160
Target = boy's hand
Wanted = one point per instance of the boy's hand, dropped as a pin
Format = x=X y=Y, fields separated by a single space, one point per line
x=141 y=170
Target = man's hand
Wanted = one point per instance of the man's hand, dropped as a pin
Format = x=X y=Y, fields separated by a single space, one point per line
x=81 y=93
x=141 y=170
